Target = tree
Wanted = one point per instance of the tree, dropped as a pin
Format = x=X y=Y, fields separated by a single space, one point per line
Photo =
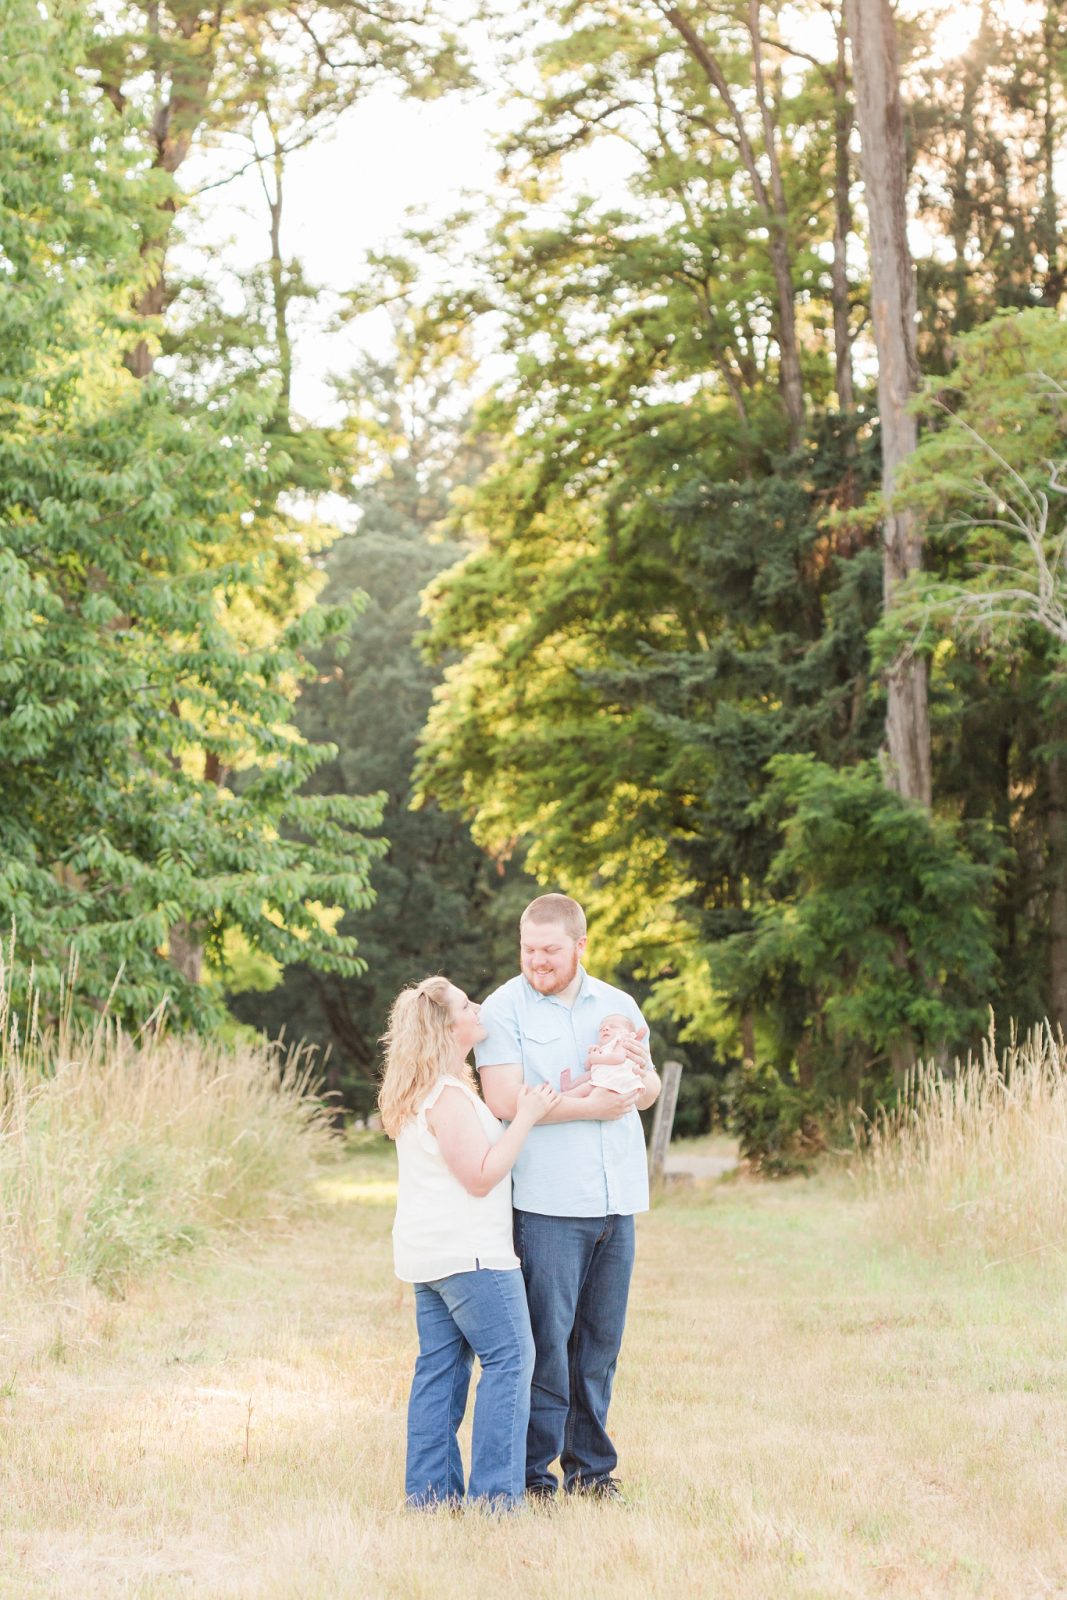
x=441 y=904
x=985 y=483
x=200 y=70
x=658 y=601
x=119 y=522
x=876 y=912
x=880 y=118
x=663 y=598
x=266 y=79
x=992 y=208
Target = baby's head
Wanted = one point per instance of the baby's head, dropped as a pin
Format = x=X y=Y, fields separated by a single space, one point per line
x=613 y=1024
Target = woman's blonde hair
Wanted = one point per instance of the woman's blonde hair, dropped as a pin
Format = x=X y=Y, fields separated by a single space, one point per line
x=419 y=1047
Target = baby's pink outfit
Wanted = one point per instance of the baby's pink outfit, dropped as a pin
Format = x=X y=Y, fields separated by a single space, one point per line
x=610 y=1068
x=619 y=1079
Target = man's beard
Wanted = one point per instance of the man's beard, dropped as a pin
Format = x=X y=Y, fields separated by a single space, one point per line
x=559 y=980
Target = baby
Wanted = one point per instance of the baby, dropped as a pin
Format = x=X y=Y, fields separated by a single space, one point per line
x=607 y=1064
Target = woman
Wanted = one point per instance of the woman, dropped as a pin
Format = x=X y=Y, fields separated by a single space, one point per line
x=453 y=1240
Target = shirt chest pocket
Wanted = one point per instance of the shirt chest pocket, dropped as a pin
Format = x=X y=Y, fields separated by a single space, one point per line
x=546 y=1050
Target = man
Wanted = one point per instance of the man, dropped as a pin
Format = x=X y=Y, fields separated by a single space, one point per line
x=577 y=1185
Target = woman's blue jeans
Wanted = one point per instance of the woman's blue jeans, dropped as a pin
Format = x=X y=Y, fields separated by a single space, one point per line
x=470 y=1314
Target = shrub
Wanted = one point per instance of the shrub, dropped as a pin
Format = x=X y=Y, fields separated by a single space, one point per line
x=774 y=1121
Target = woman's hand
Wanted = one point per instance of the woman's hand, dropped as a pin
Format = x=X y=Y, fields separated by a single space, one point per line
x=533 y=1104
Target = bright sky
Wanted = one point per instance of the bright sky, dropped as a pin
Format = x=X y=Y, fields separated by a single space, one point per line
x=351 y=190
x=347 y=193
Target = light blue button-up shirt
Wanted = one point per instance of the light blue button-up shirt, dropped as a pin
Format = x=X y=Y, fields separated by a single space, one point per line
x=566 y=1169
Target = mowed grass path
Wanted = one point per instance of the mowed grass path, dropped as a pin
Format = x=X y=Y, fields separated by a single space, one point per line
x=801 y=1411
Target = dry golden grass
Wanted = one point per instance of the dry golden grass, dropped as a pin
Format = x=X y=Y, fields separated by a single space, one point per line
x=117 y=1154
x=977 y=1162
x=801 y=1412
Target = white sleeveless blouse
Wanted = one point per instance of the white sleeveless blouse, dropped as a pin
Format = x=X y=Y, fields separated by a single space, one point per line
x=440 y=1228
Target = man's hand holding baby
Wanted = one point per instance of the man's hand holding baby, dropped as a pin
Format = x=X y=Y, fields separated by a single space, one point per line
x=636 y=1048
x=605 y=1105
x=639 y=1057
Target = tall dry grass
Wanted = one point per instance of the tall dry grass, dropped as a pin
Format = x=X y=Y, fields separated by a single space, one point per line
x=118 y=1152
x=977 y=1160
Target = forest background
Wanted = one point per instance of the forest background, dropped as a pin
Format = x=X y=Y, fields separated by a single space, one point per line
x=585 y=585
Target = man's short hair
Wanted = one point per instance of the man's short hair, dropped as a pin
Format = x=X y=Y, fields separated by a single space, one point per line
x=556 y=908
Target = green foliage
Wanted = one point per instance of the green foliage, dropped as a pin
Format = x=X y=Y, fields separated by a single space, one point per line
x=653 y=678
x=660 y=599
x=990 y=612
x=985 y=481
x=774 y=1121
x=127 y=692
x=624 y=726
x=878 y=912
x=441 y=904
x=663 y=603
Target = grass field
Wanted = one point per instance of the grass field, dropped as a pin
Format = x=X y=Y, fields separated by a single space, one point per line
x=801 y=1411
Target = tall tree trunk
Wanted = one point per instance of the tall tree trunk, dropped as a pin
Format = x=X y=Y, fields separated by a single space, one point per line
x=790 y=377
x=1049 y=233
x=1057 y=905
x=879 y=114
x=279 y=289
x=187 y=951
x=846 y=397
x=182 y=90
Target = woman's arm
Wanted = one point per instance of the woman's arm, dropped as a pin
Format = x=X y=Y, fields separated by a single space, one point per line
x=475 y=1163
x=501 y=1086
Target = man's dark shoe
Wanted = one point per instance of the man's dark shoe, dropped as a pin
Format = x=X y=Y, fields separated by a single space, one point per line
x=599 y=1488
x=541 y=1494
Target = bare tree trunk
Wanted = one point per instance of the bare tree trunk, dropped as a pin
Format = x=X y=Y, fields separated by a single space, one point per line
x=790 y=378
x=893 y=312
x=1055 y=277
x=1057 y=909
x=151 y=303
x=846 y=397
x=186 y=951
x=961 y=218
x=181 y=105
x=279 y=289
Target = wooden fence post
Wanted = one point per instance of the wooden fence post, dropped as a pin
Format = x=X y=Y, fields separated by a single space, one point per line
x=663 y=1121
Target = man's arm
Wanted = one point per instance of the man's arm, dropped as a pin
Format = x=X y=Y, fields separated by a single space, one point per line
x=500 y=1086
x=648 y=1094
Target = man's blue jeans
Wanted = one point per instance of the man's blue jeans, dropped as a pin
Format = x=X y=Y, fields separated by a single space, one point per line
x=577 y=1272
x=465 y=1315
